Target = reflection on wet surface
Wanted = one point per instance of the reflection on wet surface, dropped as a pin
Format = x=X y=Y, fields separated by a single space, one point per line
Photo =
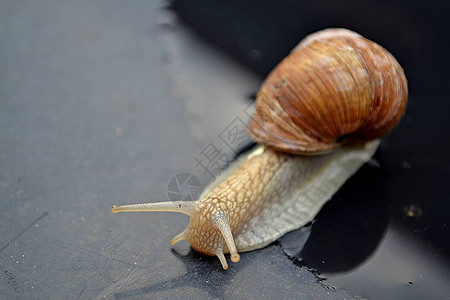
x=398 y=267
x=263 y=274
x=373 y=248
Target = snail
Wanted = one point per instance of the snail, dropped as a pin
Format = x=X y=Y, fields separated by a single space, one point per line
x=319 y=116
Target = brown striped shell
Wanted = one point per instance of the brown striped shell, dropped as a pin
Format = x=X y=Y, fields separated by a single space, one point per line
x=334 y=86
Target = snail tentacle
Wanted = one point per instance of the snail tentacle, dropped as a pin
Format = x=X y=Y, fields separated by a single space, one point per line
x=184 y=207
x=222 y=258
x=222 y=224
x=179 y=237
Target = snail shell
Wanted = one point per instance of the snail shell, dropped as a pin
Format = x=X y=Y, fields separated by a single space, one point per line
x=334 y=87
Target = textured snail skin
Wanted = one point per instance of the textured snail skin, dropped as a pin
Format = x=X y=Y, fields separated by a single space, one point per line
x=270 y=192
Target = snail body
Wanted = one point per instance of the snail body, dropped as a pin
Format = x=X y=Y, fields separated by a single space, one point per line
x=333 y=88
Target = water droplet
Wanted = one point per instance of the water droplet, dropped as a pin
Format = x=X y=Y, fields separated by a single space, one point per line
x=119 y=131
x=405 y=165
x=412 y=211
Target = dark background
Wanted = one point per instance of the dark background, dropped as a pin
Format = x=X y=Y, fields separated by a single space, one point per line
x=98 y=107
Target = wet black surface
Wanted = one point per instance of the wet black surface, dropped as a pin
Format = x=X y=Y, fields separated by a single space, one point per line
x=361 y=245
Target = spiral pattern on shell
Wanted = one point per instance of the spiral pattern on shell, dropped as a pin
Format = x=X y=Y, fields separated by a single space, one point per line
x=334 y=86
